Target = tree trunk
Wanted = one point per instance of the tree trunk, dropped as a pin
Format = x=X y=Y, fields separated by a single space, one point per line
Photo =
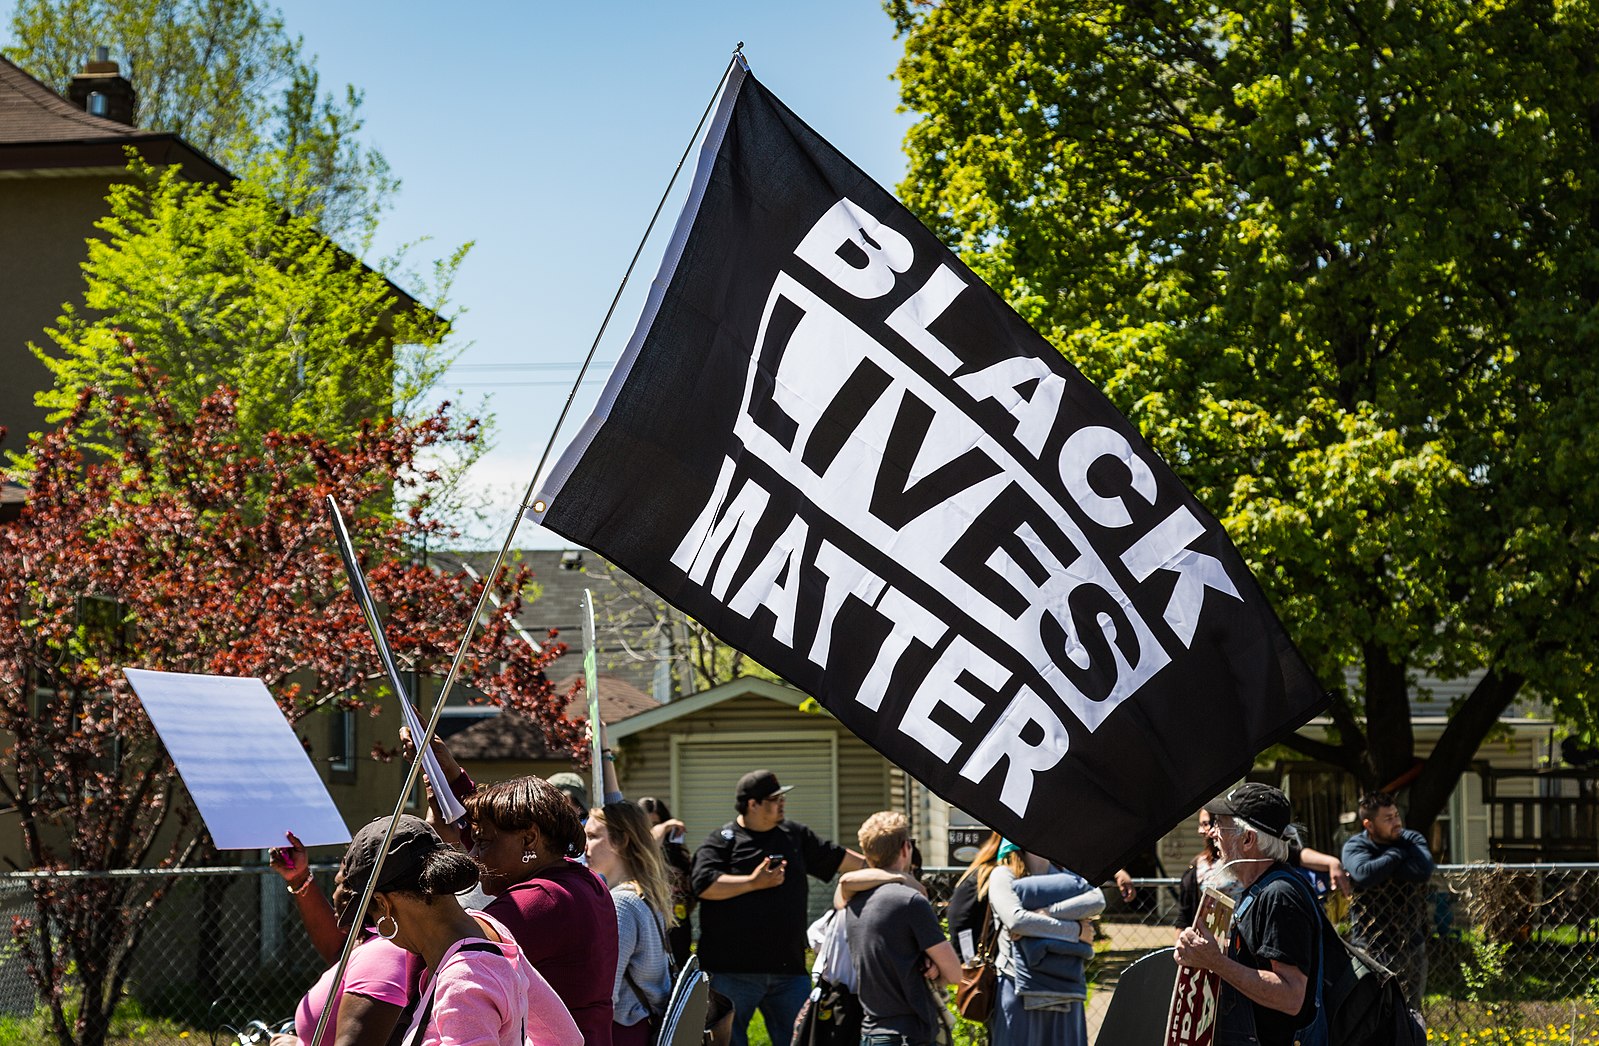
x=1468 y=727
x=93 y=943
x=94 y=1023
x=1390 y=738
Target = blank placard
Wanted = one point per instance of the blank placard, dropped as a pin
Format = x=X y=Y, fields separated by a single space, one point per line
x=240 y=760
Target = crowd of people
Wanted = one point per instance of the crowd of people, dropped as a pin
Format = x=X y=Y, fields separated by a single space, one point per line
x=542 y=920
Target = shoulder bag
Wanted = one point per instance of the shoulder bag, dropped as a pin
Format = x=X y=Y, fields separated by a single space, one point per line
x=978 y=991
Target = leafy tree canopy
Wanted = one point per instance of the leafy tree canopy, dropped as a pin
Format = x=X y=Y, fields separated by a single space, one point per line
x=1340 y=263
x=228 y=77
x=222 y=286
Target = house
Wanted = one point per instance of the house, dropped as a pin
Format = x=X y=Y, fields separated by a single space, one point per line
x=57 y=162
x=1507 y=765
x=58 y=159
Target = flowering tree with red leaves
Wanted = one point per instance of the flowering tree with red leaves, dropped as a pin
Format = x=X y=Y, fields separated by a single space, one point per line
x=192 y=549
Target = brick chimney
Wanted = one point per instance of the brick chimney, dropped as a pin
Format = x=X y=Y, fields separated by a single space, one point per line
x=101 y=90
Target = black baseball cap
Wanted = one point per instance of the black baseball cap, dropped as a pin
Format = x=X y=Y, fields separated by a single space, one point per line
x=758 y=785
x=1263 y=806
x=413 y=841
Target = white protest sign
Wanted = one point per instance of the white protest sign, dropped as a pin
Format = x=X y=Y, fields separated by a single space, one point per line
x=239 y=758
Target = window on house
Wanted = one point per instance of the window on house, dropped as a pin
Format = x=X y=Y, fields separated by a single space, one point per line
x=341 y=743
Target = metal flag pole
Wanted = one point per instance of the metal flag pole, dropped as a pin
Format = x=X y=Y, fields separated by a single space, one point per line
x=450 y=808
x=591 y=681
x=491 y=578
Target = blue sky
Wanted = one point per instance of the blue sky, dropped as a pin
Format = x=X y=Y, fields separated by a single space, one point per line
x=546 y=133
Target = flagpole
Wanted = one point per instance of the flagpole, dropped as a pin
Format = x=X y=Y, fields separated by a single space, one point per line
x=450 y=809
x=591 y=680
x=491 y=578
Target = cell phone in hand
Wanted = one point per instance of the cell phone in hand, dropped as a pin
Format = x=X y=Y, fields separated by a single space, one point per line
x=775 y=859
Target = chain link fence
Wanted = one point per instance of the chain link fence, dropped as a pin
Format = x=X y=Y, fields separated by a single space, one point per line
x=224 y=947
x=1497 y=953
x=1511 y=951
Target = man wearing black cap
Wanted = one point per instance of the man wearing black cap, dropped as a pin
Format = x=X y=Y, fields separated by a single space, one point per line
x=1272 y=961
x=750 y=879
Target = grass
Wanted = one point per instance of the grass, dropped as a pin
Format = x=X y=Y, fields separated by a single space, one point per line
x=130 y=1024
x=758 y=1033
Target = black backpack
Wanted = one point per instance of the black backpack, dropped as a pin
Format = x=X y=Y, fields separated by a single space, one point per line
x=832 y=1016
x=1364 y=1000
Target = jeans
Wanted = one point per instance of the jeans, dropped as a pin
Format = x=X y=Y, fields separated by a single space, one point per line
x=778 y=996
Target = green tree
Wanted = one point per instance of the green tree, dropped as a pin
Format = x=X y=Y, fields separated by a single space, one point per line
x=220 y=285
x=1340 y=263
x=226 y=75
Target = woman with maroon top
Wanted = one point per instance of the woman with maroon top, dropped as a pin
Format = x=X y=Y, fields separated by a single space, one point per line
x=523 y=833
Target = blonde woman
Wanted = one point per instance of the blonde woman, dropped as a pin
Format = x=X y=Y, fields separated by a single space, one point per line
x=622 y=850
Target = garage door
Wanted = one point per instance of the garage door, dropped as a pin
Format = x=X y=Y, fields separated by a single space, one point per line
x=705 y=772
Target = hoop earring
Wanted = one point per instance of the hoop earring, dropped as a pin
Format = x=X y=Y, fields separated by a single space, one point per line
x=393 y=922
x=528 y=856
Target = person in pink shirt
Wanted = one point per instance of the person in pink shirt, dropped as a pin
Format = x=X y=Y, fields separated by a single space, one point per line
x=478 y=989
x=379 y=981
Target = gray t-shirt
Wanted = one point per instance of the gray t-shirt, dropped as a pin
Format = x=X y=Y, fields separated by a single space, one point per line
x=889 y=930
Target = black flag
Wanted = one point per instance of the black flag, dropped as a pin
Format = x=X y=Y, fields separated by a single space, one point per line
x=830 y=443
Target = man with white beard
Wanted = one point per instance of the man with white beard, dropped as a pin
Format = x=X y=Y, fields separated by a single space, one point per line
x=1273 y=958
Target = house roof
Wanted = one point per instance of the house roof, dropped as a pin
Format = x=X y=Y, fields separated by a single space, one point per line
x=745 y=686
x=628 y=615
x=511 y=735
x=31 y=112
x=42 y=133
x=619 y=699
